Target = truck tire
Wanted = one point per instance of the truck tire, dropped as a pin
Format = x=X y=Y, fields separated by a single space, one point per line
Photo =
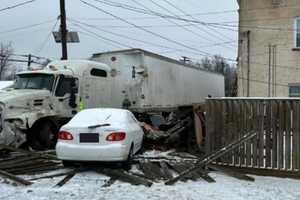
x=44 y=135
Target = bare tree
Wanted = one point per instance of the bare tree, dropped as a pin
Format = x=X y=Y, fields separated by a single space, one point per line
x=6 y=51
x=218 y=64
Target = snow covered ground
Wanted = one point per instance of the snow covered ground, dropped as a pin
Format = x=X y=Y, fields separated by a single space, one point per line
x=87 y=185
x=5 y=84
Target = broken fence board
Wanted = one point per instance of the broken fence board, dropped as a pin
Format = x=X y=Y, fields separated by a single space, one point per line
x=68 y=177
x=125 y=177
x=274 y=134
x=210 y=158
x=50 y=176
x=165 y=170
x=14 y=178
x=151 y=170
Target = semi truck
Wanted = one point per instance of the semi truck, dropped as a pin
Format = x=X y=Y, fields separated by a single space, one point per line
x=41 y=101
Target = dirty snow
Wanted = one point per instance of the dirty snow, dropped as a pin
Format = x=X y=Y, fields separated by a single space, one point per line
x=87 y=185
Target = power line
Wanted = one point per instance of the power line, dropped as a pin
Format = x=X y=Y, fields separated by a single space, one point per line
x=144 y=41
x=153 y=13
x=216 y=25
x=98 y=39
x=25 y=27
x=182 y=11
x=120 y=35
x=144 y=26
x=102 y=37
x=40 y=49
x=16 y=5
x=145 y=30
x=169 y=20
x=201 y=52
x=145 y=18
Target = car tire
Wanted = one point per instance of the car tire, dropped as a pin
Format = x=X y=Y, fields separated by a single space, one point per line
x=127 y=164
x=44 y=136
x=67 y=163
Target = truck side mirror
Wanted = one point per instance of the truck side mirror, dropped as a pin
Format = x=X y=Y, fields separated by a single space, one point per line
x=74 y=89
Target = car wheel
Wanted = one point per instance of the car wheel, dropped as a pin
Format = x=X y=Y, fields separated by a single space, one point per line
x=44 y=136
x=67 y=163
x=127 y=164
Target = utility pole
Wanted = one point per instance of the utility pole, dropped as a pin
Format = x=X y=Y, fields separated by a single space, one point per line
x=63 y=29
x=185 y=59
x=29 y=61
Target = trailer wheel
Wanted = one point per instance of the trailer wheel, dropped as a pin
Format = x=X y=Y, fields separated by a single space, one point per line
x=44 y=135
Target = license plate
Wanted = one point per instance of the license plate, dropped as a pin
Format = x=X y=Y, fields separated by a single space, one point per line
x=89 y=137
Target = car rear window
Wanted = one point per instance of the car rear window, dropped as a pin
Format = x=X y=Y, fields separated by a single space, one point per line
x=97 y=116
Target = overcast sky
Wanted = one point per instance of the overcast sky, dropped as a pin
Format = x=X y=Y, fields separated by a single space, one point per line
x=96 y=38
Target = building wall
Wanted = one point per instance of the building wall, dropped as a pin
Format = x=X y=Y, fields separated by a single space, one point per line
x=269 y=25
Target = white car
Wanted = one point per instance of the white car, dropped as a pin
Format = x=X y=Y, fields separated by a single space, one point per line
x=102 y=134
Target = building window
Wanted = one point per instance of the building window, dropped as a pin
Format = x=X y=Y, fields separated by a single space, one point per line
x=294 y=90
x=297 y=32
x=98 y=72
x=277 y=3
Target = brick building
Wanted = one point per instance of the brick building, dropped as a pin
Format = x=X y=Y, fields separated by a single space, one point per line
x=269 y=48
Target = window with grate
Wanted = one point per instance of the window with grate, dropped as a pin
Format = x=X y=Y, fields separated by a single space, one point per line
x=294 y=90
x=277 y=3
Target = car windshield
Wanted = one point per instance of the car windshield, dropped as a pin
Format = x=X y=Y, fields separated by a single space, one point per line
x=95 y=117
x=34 y=81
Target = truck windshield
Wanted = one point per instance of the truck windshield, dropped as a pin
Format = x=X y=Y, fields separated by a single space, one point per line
x=34 y=81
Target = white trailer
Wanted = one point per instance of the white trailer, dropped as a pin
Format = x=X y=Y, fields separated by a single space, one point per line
x=149 y=81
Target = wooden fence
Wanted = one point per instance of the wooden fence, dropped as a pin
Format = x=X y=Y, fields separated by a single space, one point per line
x=276 y=122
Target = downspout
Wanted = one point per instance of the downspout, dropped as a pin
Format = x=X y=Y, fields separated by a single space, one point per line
x=248 y=63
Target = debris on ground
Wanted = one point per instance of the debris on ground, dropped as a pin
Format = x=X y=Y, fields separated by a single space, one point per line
x=148 y=168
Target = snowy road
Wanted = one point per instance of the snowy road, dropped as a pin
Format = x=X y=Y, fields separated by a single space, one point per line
x=88 y=186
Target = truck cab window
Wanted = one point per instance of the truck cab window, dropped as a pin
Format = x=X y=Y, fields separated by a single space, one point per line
x=65 y=86
x=98 y=72
x=34 y=81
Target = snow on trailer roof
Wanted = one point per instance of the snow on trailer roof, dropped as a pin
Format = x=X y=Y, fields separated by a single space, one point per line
x=155 y=55
x=95 y=116
x=62 y=67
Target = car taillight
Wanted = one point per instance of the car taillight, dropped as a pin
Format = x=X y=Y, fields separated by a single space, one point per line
x=116 y=136
x=64 y=135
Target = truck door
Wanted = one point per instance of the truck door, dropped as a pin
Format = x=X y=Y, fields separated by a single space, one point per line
x=65 y=87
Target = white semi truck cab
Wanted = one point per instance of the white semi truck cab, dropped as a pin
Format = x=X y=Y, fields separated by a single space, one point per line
x=41 y=101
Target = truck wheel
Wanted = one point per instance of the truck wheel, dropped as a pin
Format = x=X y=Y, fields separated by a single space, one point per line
x=44 y=136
